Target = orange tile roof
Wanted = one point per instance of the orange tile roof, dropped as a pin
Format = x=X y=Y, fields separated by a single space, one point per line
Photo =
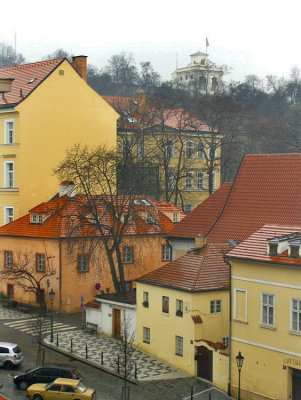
x=26 y=78
x=267 y=189
x=255 y=247
x=195 y=271
x=57 y=223
x=201 y=219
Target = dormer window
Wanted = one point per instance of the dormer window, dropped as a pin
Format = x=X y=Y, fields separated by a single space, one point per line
x=36 y=218
x=273 y=249
x=294 y=251
x=175 y=217
x=150 y=218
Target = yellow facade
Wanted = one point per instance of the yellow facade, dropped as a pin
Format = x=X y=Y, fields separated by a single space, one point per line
x=272 y=352
x=62 y=111
x=164 y=328
x=193 y=189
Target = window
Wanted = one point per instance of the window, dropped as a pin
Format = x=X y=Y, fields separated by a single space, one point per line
x=127 y=254
x=187 y=208
x=296 y=315
x=200 y=180
x=140 y=147
x=8 y=259
x=10 y=290
x=294 y=251
x=203 y=61
x=9 y=131
x=203 y=83
x=273 y=249
x=240 y=305
x=226 y=341
x=215 y=306
x=126 y=147
x=179 y=346
x=189 y=180
x=83 y=263
x=200 y=152
x=165 y=304
x=189 y=149
x=169 y=150
x=145 y=300
x=213 y=84
x=9 y=174
x=175 y=217
x=166 y=252
x=150 y=218
x=267 y=309
x=40 y=262
x=171 y=180
x=179 y=308
x=146 y=335
x=36 y=218
x=8 y=214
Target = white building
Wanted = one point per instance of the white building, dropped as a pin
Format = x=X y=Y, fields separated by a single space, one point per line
x=200 y=75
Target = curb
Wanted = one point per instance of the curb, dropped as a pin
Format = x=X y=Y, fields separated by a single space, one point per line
x=84 y=361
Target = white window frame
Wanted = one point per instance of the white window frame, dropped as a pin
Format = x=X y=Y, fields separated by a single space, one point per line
x=146 y=335
x=189 y=180
x=200 y=152
x=8 y=259
x=189 y=149
x=235 y=304
x=298 y=311
x=7 y=131
x=215 y=306
x=145 y=299
x=41 y=262
x=165 y=304
x=170 y=149
x=200 y=178
x=127 y=254
x=8 y=218
x=166 y=252
x=179 y=307
x=7 y=174
x=83 y=262
x=268 y=307
x=179 y=346
x=175 y=217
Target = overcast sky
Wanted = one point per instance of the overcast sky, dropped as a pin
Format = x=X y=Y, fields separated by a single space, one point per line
x=254 y=37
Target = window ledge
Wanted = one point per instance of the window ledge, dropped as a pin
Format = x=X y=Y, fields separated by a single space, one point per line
x=297 y=333
x=270 y=327
x=9 y=144
x=240 y=321
x=4 y=189
x=165 y=314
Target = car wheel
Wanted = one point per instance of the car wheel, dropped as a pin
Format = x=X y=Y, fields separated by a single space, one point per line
x=8 y=365
x=37 y=397
x=23 y=385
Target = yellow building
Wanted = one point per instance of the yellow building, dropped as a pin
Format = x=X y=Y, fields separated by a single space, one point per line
x=45 y=108
x=185 y=153
x=266 y=313
x=183 y=313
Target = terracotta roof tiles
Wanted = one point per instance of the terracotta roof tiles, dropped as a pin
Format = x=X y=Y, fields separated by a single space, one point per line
x=26 y=78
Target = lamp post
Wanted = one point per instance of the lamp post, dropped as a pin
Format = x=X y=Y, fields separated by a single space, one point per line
x=239 y=362
x=51 y=297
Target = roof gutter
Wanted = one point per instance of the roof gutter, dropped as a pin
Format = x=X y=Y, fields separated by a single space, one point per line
x=4 y=108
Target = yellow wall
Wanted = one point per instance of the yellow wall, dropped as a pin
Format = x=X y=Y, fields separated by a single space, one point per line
x=269 y=351
x=62 y=111
x=165 y=327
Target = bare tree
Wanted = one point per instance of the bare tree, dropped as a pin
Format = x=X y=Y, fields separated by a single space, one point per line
x=122 y=69
x=8 y=56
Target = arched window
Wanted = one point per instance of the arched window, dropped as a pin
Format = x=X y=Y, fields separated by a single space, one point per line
x=203 y=83
x=213 y=84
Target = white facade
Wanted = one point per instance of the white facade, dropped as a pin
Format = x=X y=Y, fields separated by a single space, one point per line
x=200 y=75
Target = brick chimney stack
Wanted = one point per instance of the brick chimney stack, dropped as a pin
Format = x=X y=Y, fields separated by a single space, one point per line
x=79 y=63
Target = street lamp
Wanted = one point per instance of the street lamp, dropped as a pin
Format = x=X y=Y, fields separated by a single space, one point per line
x=51 y=297
x=239 y=362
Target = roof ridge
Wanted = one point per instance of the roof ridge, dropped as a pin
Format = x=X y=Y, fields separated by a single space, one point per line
x=27 y=65
x=206 y=248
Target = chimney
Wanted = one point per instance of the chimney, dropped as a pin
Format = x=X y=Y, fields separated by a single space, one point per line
x=79 y=63
x=67 y=188
x=199 y=241
x=141 y=99
x=6 y=84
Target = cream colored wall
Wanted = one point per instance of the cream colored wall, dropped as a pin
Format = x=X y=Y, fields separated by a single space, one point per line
x=26 y=250
x=164 y=327
x=265 y=348
x=62 y=111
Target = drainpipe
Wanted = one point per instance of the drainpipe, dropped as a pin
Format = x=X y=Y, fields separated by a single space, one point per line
x=230 y=332
x=60 y=274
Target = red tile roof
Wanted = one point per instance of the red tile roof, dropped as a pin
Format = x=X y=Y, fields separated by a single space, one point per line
x=195 y=271
x=26 y=78
x=57 y=223
x=255 y=247
x=202 y=218
x=267 y=189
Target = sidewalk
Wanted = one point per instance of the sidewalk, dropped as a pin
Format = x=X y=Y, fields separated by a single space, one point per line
x=102 y=352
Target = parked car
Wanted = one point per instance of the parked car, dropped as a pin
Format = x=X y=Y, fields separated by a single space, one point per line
x=10 y=355
x=45 y=374
x=62 y=389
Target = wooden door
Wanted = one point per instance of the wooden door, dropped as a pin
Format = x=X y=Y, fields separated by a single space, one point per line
x=116 y=323
x=204 y=363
